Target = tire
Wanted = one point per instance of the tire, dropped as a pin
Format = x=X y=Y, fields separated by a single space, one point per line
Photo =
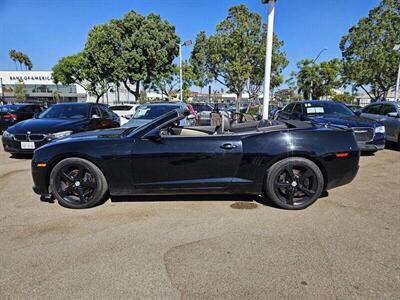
x=78 y=183
x=294 y=183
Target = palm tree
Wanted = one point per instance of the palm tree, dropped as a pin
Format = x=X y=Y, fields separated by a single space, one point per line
x=13 y=55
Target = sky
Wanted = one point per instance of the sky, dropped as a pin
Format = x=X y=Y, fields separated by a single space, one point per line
x=47 y=30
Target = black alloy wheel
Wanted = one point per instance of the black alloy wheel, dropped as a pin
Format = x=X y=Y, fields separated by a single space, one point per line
x=78 y=183
x=294 y=183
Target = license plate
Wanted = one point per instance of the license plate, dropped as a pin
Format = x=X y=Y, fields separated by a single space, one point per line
x=27 y=145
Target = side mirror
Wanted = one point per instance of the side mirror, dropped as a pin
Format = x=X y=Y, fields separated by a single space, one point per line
x=357 y=112
x=393 y=115
x=153 y=135
x=95 y=116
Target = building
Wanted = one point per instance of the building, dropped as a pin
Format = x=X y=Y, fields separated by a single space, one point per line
x=364 y=99
x=38 y=87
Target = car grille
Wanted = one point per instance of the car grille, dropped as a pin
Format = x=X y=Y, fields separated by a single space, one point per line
x=364 y=134
x=37 y=137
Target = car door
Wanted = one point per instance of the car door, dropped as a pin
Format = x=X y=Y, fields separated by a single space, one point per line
x=372 y=111
x=391 y=123
x=286 y=112
x=181 y=164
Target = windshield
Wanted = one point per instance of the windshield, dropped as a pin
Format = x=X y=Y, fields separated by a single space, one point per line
x=149 y=112
x=8 y=108
x=327 y=108
x=65 y=112
x=121 y=107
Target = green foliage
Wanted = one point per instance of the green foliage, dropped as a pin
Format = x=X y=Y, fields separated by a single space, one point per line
x=77 y=69
x=199 y=60
x=21 y=58
x=236 y=53
x=168 y=83
x=367 y=50
x=19 y=90
x=318 y=79
x=346 y=98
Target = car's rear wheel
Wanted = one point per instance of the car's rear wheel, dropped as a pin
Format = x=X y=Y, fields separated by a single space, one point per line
x=294 y=183
x=78 y=183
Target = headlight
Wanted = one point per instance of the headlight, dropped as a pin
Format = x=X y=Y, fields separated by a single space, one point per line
x=380 y=129
x=59 y=135
x=6 y=134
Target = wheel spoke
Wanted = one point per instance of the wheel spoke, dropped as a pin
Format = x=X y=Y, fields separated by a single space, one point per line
x=66 y=192
x=290 y=196
x=306 y=191
x=81 y=195
x=67 y=177
x=282 y=185
x=289 y=171
x=88 y=184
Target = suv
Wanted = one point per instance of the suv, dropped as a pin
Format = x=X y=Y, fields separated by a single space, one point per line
x=388 y=113
x=11 y=114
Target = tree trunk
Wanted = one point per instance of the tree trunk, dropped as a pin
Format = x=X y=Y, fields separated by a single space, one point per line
x=135 y=92
x=238 y=100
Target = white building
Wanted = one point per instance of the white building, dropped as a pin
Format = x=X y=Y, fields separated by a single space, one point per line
x=38 y=86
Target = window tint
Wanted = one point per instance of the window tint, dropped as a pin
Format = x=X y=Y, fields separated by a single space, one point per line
x=372 y=109
x=288 y=108
x=95 y=111
x=106 y=113
x=121 y=107
x=65 y=111
x=387 y=108
x=298 y=108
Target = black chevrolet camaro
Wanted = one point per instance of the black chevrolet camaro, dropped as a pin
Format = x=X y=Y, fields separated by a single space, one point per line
x=291 y=163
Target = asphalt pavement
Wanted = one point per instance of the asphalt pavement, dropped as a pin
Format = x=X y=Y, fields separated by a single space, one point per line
x=345 y=246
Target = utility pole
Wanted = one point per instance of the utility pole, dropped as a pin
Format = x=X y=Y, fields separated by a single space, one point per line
x=396 y=93
x=187 y=43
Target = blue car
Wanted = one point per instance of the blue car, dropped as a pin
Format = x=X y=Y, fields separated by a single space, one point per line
x=370 y=135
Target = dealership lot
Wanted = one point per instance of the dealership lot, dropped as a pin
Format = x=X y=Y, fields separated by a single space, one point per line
x=346 y=245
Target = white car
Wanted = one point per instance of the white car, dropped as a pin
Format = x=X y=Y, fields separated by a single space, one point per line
x=124 y=111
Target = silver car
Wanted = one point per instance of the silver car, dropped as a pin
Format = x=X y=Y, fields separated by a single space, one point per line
x=388 y=113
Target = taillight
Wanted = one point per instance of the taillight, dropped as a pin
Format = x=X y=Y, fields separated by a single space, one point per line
x=10 y=116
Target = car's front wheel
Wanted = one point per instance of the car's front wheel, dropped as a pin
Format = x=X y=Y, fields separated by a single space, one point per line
x=78 y=183
x=294 y=183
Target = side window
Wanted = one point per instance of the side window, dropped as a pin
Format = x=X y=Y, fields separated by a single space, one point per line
x=36 y=109
x=26 y=109
x=372 y=109
x=95 y=111
x=298 y=108
x=387 y=108
x=105 y=112
x=288 y=108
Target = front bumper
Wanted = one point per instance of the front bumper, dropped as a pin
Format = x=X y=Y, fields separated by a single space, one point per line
x=378 y=143
x=12 y=146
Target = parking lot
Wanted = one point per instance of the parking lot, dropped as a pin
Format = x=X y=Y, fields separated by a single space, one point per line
x=346 y=245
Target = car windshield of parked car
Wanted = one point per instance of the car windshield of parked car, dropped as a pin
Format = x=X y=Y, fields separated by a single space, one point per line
x=150 y=112
x=121 y=107
x=327 y=108
x=65 y=112
x=8 y=108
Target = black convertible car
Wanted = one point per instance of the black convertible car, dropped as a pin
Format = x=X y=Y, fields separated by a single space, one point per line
x=291 y=162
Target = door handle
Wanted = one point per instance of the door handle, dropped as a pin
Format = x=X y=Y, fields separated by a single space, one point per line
x=228 y=146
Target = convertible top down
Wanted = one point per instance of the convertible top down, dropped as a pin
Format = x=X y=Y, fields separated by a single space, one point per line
x=290 y=162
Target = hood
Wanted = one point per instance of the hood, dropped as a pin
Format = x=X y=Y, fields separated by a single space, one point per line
x=349 y=121
x=46 y=125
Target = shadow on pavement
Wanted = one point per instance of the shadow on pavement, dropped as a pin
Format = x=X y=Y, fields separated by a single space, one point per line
x=21 y=156
x=392 y=146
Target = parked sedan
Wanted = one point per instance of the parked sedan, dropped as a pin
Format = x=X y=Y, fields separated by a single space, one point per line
x=11 y=114
x=124 y=111
x=370 y=135
x=57 y=121
x=291 y=165
x=387 y=113
x=147 y=112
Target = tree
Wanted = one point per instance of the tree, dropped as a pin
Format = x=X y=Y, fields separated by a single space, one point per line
x=148 y=47
x=318 y=79
x=76 y=69
x=19 y=90
x=279 y=62
x=13 y=55
x=236 y=53
x=346 y=98
x=21 y=58
x=199 y=60
x=168 y=84
x=367 y=50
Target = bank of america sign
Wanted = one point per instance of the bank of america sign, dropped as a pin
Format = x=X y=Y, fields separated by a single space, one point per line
x=26 y=78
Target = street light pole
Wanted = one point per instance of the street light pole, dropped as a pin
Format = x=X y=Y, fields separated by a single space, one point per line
x=187 y=43
x=268 y=56
x=313 y=62
x=396 y=92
